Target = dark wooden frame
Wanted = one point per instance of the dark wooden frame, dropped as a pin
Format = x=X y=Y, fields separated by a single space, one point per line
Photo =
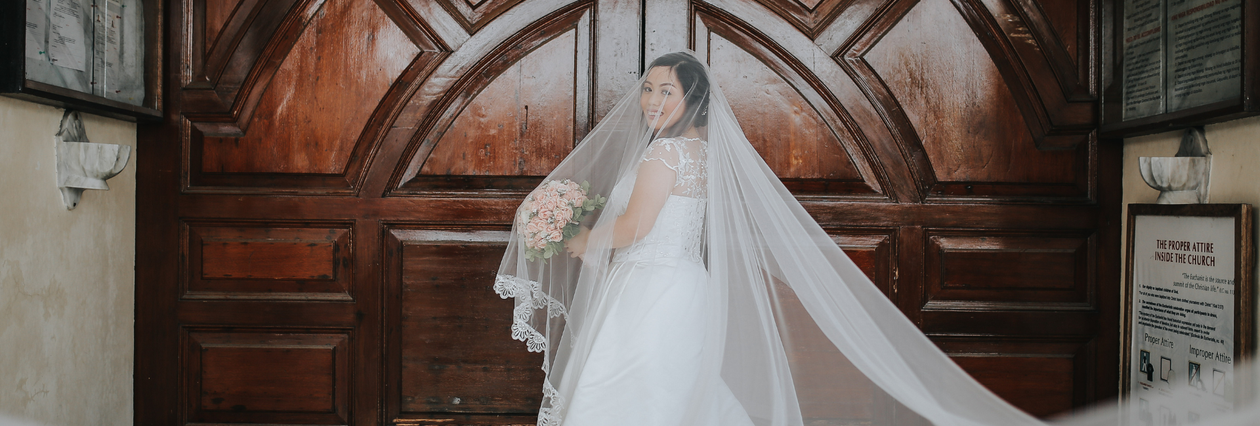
x=1247 y=104
x=13 y=81
x=1244 y=264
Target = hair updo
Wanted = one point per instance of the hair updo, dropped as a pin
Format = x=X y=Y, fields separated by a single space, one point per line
x=695 y=83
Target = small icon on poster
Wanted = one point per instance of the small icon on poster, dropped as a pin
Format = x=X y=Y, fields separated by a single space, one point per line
x=1194 y=372
x=1218 y=382
x=1144 y=366
x=1165 y=369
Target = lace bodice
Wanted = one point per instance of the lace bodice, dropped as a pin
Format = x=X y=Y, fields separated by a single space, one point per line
x=679 y=227
x=688 y=158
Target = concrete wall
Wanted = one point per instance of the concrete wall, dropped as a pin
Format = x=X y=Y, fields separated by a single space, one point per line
x=67 y=278
x=1235 y=147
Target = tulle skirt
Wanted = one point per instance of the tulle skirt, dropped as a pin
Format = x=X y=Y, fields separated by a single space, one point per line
x=648 y=364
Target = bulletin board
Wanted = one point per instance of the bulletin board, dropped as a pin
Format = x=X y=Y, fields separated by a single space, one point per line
x=1190 y=303
x=1180 y=63
x=98 y=56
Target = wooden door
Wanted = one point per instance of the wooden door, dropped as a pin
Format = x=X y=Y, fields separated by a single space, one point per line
x=323 y=209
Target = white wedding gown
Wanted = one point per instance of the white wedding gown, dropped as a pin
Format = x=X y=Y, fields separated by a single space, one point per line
x=651 y=357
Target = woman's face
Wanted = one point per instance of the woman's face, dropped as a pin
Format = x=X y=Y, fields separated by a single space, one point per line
x=662 y=98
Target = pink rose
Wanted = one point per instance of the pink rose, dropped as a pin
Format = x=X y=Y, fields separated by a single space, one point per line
x=535 y=225
x=564 y=213
x=536 y=243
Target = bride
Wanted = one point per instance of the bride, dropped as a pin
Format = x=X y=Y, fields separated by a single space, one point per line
x=704 y=294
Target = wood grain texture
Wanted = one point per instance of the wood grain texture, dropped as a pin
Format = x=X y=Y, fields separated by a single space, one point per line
x=1064 y=17
x=257 y=31
x=736 y=50
x=457 y=353
x=522 y=124
x=313 y=112
x=1034 y=383
x=429 y=113
x=1044 y=377
x=1031 y=270
x=264 y=261
x=474 y=14
x=216 y=15
x=260 y=377
x=1056 y=90
x=873 y=250
x=453 y=353
x=789 y=134
x=921 y=61
x=809 y=16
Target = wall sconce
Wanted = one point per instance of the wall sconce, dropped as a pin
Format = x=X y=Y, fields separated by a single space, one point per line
x=1182 y=179
x=83 y=165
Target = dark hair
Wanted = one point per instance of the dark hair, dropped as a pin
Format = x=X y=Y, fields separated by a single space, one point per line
x=691 y=74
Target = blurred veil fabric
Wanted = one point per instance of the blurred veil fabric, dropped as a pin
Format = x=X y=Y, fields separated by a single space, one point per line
x=796 y=332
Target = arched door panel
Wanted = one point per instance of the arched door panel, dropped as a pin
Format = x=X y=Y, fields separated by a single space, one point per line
x=293 y=112
x=517 y=126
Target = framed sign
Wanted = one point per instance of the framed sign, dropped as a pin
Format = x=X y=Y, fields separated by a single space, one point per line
x=98 y=56
x=1189 y=312
x=1181 y=63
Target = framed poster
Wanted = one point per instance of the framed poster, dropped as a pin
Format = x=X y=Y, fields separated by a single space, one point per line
x=98 y=56
x=1180 y=63
x=1189 y=316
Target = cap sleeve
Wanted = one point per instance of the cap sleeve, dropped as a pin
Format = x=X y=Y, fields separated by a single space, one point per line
x=666 y=151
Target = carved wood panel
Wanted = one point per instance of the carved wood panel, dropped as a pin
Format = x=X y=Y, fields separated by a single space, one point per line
x=995 y=270
x=810 y=145
x=267 y=377
x=810 y=16
x=326 y=206
x=217 y=14
x=268 y=261
x=522 y=124
x=790 y=136
x=451 y=355
x=314 y=109
x=507 y=130
x=1044 y=377
x=280 y=101
x=473 y=14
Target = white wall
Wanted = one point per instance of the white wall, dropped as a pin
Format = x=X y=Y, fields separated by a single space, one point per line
x=1235 y=147
x=67 y=278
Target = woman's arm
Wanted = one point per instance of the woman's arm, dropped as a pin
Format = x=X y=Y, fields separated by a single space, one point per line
x=651 y=188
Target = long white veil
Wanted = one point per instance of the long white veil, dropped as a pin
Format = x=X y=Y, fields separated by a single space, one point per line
x=803 y=337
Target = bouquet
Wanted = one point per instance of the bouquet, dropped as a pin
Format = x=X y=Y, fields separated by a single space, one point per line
x=551 y=214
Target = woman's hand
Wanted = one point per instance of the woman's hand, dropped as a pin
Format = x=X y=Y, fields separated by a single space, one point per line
x=576 y=246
